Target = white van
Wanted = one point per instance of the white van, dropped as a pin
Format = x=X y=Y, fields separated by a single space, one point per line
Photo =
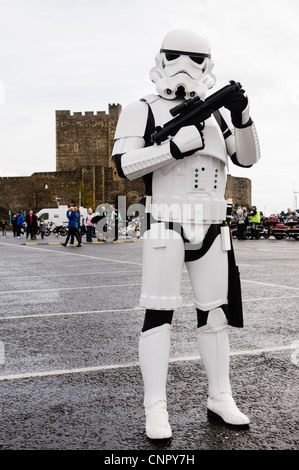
x=57 y=215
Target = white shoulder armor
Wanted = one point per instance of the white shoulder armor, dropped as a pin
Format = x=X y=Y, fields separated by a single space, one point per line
x=132 y=158
x=132 y=120
x=151 y=98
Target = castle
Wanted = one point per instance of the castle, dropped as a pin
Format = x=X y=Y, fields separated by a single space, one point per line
x=84 y=171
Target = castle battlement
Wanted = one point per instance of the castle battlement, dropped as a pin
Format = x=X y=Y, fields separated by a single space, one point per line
x=67 y=114
x=63 y=114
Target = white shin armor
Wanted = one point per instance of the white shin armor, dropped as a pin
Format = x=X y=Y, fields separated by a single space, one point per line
x=213 y=344
x=154 y=347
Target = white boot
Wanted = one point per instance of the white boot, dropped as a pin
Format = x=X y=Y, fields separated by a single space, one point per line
x=154 y=347
x=224 y=405
x=214 y=352
x=157 y=426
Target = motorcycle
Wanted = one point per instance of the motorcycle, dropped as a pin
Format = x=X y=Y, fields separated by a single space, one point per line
x=133 y=228
x=274 y=227
x=59 y=230
x=292 y=226
x=256 y=233
x=250 y=232
x=47 y=232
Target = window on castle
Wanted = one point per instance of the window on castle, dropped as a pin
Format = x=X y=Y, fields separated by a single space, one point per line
x=76 y=147
x=99 y=145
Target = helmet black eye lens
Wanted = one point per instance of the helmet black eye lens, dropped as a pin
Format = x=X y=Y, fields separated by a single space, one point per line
x=198 y=60
x=170 y=57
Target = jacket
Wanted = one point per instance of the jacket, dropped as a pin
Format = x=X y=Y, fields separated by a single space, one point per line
x=20 y=219
x=87 y=220
x=256 y=217
x=73 y=218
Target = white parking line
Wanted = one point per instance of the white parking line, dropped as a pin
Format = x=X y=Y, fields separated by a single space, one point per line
x=136 y=364
x=71 y=254
x=63 y=314
x=88 y=273
x=127 y=285
x=282 y=250
x=66 y=288
x=133 y=309
x=270 y=284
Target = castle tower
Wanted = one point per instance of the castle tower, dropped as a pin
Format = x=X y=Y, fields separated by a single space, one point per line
x=85 y=139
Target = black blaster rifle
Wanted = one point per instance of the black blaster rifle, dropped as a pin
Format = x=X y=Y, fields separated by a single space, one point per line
x=193 y=111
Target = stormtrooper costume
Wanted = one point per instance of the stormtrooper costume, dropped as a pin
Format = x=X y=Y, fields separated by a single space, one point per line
x=185 y=180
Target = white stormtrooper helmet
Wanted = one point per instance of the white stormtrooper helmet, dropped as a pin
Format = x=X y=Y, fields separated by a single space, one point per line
x=183 y=66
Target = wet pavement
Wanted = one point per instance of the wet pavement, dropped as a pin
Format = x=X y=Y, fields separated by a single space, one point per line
x=69 y=330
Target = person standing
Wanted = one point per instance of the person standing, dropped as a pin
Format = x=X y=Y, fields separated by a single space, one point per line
x=35 y=228
x=14 y=225
x=42 y=227
x=77 y=232
x=72 y=215
x=115 y=217
x=31 y=221
x=89 y=225
x=185 y=180
x=241 y=226
x=255 y=220
x=3 y=225
x=20 y=222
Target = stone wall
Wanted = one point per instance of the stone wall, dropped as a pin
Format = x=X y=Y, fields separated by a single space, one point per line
x=239 y=190
x=92 y=185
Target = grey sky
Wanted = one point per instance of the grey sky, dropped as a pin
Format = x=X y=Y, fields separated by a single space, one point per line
x=83 y=55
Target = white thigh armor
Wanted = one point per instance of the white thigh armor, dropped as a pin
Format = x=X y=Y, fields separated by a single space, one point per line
x=163 y=259
x=209 y=277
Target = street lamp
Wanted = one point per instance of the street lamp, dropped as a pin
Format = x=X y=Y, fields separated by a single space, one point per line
x=295 y=199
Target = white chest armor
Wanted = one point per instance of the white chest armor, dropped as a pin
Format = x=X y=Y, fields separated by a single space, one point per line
x=191 y=190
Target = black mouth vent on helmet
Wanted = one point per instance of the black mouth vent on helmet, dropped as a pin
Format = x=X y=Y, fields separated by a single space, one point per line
x=180 y=92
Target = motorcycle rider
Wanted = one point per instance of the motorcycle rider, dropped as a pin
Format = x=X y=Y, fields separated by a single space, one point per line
x=241 y=223
x=185 y=180
x=255 y=220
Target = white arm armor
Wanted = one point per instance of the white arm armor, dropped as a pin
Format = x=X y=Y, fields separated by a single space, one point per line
x=247 y=145
x=136 y=163
x=247 y=142
x=243 y=145
x=137 y=160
